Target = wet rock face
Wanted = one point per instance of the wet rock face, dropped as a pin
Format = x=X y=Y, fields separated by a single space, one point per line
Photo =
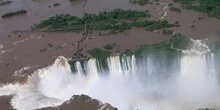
x=107 y=106
x=5 y=103
x=206 y=109
x=61 y=62
x=82 y=102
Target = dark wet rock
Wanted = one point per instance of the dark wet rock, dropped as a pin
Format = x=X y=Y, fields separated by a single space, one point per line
x=82 y=102
x=56 y=4
x=205 y=109
x=5 y=103
x=107 y=106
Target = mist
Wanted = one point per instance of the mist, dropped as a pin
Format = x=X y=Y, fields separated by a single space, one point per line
x=189 y=83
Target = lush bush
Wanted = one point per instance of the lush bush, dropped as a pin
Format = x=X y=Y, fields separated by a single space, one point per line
x=9 y=14
x=211 y=7
x=103 y=21
x=101 y=56
x=171 y=48
x=110 y=46
x=114 y=21
x=5 y=2
x=99 y=53
x=160 y=25
x=140 y=2
x=175 y=9
x=72 y=65
x=128 y=52
x=168 y=48
x=167 y=32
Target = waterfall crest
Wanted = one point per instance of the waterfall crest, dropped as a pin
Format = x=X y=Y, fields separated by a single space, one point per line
x=127 y=85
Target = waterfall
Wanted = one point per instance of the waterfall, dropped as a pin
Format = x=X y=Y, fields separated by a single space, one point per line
x=197 y=80
x=128 y=84
x=79 y=68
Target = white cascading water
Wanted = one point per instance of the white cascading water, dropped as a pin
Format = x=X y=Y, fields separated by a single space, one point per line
x=193 y=86
x=198 y=81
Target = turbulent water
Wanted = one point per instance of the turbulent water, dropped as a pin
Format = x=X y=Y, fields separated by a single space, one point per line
x=188 y=82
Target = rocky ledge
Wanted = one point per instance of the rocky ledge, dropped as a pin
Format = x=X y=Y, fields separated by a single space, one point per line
x=82 y=102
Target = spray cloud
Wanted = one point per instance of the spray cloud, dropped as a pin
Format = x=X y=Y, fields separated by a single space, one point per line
x=127 y=86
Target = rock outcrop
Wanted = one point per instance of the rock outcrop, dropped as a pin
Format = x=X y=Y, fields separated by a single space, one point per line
x=82 y=102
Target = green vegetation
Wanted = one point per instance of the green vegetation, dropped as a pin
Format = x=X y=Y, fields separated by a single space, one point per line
x=165 y=49
x=99 y=53
x=180 y=42
x=72 y=65
x=158 y=25
x=169 y=48
x=79 y=56
x=139 y=2
x=128 y=52
x=211 y=7
x=5 y=2
x=167 y=32
x=9 y=14
x=110 y=46
x=200 y=18
x=101 y=56
x=178 y=10
x=114 y=21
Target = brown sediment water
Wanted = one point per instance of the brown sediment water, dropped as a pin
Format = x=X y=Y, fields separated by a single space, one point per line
x=41 y=49
x=35 y=49
x=127 y=40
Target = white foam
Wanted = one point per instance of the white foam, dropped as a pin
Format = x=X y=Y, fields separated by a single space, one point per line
x=126 y=86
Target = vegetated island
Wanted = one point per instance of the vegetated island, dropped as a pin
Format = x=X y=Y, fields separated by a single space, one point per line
x=210 y=7
x=114 y=21
x=140 y=2
x=9 y=14
x=175 y=9
x=5 y=2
